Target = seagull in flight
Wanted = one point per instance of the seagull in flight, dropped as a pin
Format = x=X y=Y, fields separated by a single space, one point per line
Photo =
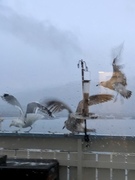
x=27 y=118
x=74 y=123
x=118 y=81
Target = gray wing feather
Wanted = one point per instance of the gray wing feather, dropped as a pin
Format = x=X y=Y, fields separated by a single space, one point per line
x=55 y=106
x=34 y=106
x=118 y=75
x=13 y=101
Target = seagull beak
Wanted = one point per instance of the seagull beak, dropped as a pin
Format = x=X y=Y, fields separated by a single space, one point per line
x=10 y=125
x=97 y=85
x=63 y=127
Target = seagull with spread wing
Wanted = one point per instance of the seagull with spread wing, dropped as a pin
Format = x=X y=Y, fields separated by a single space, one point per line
x=118 y=81
x=73 y=123
x=27 y=118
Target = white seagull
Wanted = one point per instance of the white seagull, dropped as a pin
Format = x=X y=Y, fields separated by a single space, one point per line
x=75 y=124
x=118 y=81
x=27 y=118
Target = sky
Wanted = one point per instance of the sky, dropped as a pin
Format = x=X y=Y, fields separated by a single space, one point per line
x=42 y=41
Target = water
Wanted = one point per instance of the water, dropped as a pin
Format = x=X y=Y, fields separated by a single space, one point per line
x=120 y=127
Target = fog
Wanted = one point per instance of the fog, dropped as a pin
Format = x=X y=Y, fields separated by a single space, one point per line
x=42 y=42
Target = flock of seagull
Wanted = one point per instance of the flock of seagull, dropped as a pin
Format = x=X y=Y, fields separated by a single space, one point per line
x=49 y=107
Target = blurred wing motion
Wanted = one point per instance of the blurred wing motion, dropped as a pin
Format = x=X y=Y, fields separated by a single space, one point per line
x=95 y=99
x=55 y=106
x=13 y=101
x=34 y=106
x=118 y=76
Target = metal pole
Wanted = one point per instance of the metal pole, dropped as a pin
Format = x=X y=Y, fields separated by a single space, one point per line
x=85 y=110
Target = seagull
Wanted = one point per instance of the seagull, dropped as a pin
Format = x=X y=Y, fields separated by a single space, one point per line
x=1 y=120
x=74 y=123
x=118 y=81
x=27 y=118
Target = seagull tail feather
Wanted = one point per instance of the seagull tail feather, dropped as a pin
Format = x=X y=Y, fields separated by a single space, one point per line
x=91 y=130
x=127 y=94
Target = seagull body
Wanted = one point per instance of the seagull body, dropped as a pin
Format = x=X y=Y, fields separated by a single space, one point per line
x=74 y=123
x=27 y=118
x=28 y=121
x=118 y=81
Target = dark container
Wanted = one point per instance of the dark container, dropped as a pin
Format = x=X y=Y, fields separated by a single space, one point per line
x=47 y=169
x=3 y=159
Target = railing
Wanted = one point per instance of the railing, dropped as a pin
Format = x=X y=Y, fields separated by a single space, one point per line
x=106 y=157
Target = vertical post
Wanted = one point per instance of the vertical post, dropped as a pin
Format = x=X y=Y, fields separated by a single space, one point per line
x=86 y=97
x=79 y=161
x=85 y=90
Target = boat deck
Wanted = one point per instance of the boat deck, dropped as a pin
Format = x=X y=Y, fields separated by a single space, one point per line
x=103 y=157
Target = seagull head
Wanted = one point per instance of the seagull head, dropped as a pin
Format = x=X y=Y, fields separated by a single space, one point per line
x=12 y=124
x=98 y=84
x=4 y=96
x=102 y=83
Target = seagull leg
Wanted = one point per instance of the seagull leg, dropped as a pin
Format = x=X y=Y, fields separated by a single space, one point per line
x=29 y=129
x=16 y=131
x=116 y=97
x=122 y=100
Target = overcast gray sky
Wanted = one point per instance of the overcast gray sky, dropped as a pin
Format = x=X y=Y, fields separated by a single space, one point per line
x=42 y=41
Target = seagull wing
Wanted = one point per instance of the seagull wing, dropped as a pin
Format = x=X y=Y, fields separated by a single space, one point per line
x=95 y=99
x=13 y=101
x=116 y=67
x=100 y=98
x=34 y=106
x=118 y=75
x=56 y=106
